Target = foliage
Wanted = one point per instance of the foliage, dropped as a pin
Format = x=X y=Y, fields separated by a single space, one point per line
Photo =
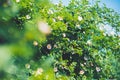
x=40 y=40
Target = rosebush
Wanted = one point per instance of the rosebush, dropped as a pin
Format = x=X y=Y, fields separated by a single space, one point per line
x=40 y=40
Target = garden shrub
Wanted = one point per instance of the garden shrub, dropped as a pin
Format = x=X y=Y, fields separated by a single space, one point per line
x=40 y=40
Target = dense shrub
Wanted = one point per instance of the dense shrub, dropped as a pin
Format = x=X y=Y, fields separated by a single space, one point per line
x=44 y=41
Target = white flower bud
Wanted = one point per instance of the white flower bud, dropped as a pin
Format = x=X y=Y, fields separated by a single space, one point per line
x=97 y=69
x=60 y=18
x=55 y=69
x=35 y=43
x=80 y=18
x=28 y=17
x=39 y=72
x=64 y=35
x=27 y=66
x=81 y=72
x=89 y=42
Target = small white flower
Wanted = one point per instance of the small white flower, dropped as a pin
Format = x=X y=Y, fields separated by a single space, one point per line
x=81 y=72
x=64 y=35
x=89 y=42
x=55 y=69
x=35 y=43
x=39 y=72
x=55 y=45
x=83 y=32
x=49 y=46
x=97 y=69
x=60 y=18
x=78 y=26
x=84 y=63
x=44 y=28
x=17 y=1
x=28 y=17
x=85 y=58
x=80 y=18
x=27 y=66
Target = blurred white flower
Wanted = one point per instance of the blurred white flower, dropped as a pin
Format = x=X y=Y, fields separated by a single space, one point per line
x=85 y=58
x=39 y=72
x=83 y=32
x=44 y=28
x=84 y=63
x=64 y=35
x=17 y=1
x=60 y=18
x=28 y=17
x=77 y=25
x=97 y=69
x=27 y=66
x=55 y=46
x=55 y=69
x=80 y=18
x=81 y=72
x=89 y=42
x=35 y=43
x=49 y=46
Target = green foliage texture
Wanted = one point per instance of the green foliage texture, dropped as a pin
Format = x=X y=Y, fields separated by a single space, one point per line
x=79 y=46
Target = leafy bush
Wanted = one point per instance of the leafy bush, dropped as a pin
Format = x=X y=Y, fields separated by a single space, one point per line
x=40 y=40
